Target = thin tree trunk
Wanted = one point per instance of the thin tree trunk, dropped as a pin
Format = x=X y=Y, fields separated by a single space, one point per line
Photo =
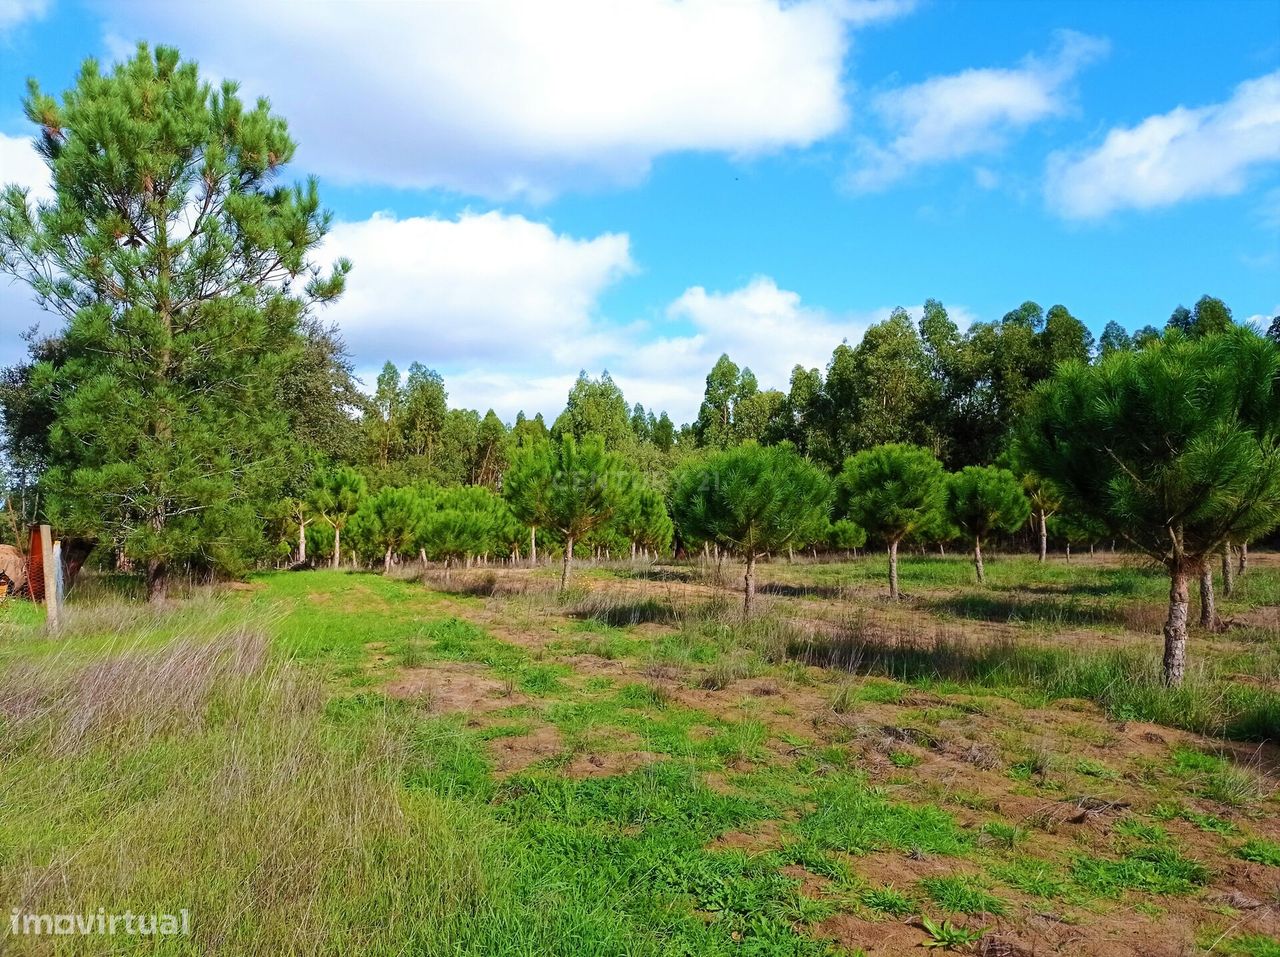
x=894 y=594
x=337 y=546
x=1068 y=553
x=1044 y=534
x=1244 y=557
x=977 y=560
x=447 y=563
x=386 y=562
x=422 y=557
x=749 y=580
x=533 y=545
x=1175 y=628
x=157 y=580
x=568 y=565
x=1208 y=608
x=302 y=543
x=1228 y=571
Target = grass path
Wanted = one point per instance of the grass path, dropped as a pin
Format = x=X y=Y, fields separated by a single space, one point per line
x=335 y=763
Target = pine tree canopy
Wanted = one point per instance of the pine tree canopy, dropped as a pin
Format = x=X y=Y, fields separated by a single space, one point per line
x=181 y=268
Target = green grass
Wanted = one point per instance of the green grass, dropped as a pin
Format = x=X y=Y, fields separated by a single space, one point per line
x=1152 y=870
x=236 y=754
x=1260 y=851
x=961 y=895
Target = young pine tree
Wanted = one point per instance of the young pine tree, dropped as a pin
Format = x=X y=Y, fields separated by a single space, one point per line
x=334 y=495
x=1175 y=448
x=894 y=491
x=982 y=499
x=570 y=487
x=180 y=267
x=752 y=500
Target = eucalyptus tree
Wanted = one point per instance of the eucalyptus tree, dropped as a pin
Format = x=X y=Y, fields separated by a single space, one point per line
x=751 y=500
x=334 y=495
x=181 y=268
x=894 y=491
x=981 y=500
x=1174 y=447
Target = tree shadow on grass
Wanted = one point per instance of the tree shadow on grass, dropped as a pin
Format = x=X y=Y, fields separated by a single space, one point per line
x=787 y=590
x=1124 y=682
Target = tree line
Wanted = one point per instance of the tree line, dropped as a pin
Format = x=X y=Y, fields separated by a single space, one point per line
x=193 y=412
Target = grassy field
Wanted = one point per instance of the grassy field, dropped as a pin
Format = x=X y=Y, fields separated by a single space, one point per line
x=342 y=763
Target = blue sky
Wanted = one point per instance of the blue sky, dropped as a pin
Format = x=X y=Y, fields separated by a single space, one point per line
x=532 y=189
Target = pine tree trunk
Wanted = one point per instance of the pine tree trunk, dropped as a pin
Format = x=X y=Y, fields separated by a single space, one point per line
x=1175 y=628
x=977 y=560
x=157 y=580
x=422 y=557
x=1044 y=535
x=533 y=545
x=1208 y=608
x=1068 y=553
x=633 y=550
x=1244 y=558
x=302 y=543
x=568 y=565
x=447 y=563
x=894 y=595
x=386 y=562
x=337 y=546
x=1228 y=571
x=749 y=580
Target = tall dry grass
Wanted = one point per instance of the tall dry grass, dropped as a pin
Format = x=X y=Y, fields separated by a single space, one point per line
x=200 y=772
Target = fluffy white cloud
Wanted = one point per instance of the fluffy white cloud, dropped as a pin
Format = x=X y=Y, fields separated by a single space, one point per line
x=14 y=12
x=974 y=112
x=759 y=325
x=481 y=287
x=508 y=98
x=1175 y=156
x=20 y=164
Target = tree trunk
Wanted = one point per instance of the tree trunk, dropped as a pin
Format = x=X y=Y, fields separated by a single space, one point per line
x=568 y=565
x=157 y=580
x=1244 y=558
x=1228 y=571
x=749 y=580
x=422 y=557
x=302 y=543
x=447 y=563
x=1068 y=553
x=1208 y=608
x=337 y=547
x=1175 y=628
x=386 y=562
x=533 y=545
x=1044 y=534
x=977 y=560
x=894 y=595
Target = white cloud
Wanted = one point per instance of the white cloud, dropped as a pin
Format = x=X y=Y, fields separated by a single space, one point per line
x=477 y=288
x=508 y=98
x=509 y=311
x=974 y=112
x=1175 y=156
x=20 y=164
x=14 y=12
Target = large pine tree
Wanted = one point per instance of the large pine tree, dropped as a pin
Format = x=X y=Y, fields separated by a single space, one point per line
x=181 y=269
